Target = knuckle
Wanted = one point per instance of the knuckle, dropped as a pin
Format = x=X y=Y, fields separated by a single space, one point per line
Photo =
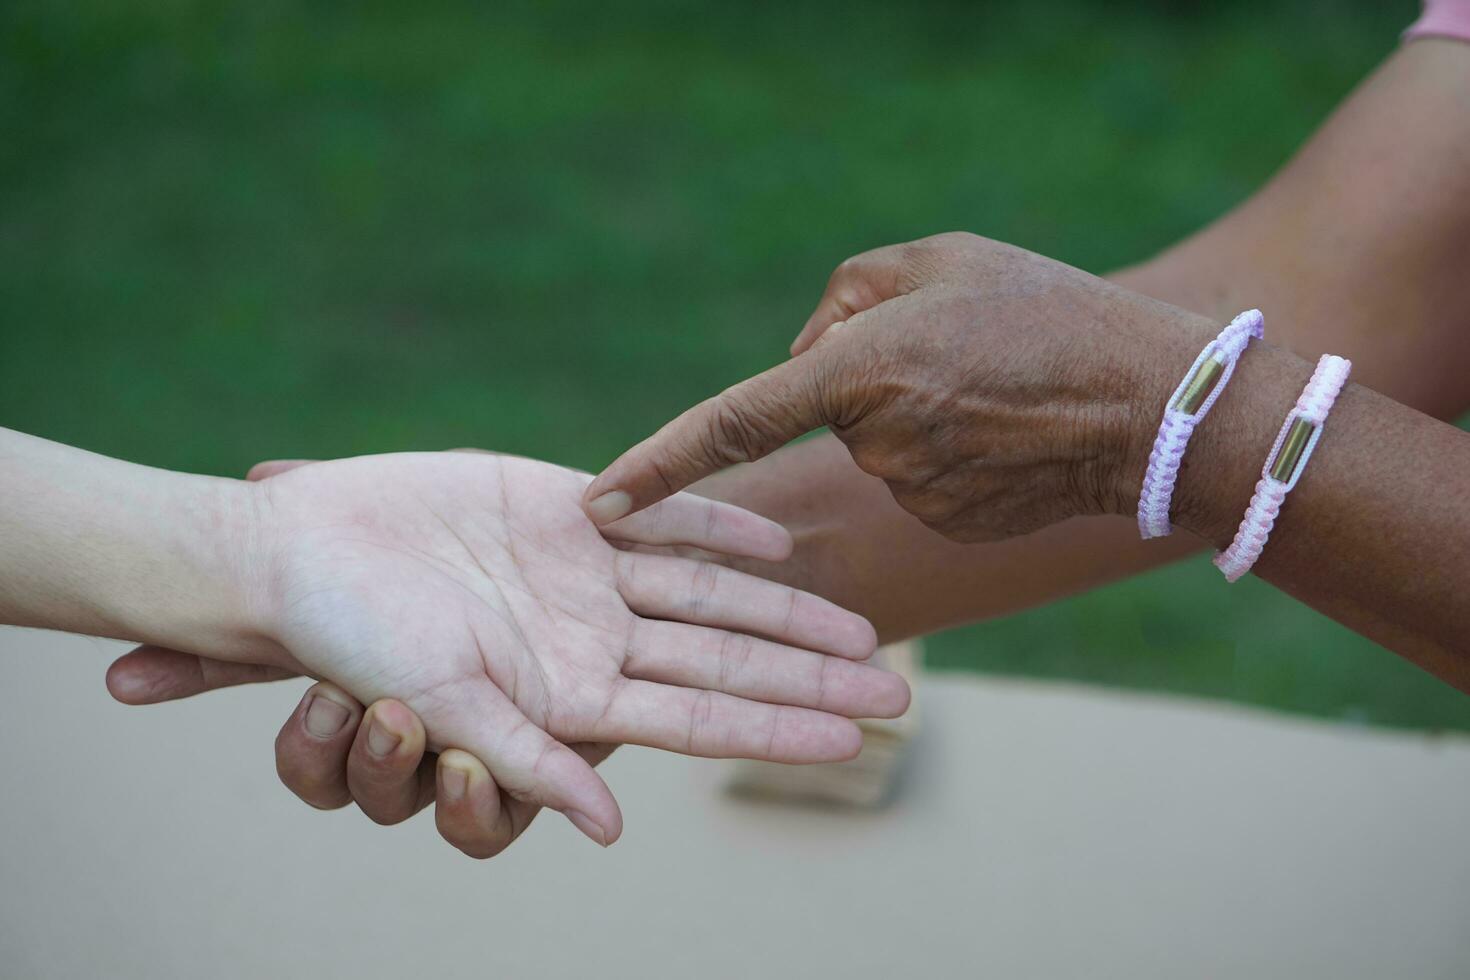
x=845 y=270
x=704 y=584
x=733 y=659
x=848 y=300
x=864 y=379
x=820 y=682
x=549 y=751
x=702 y=738
x=732 y=435
x=772 y=732
x=793 y=611
x=661 y=470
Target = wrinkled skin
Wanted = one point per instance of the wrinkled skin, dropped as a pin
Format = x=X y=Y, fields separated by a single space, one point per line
x=473 y=590
x=994 y=390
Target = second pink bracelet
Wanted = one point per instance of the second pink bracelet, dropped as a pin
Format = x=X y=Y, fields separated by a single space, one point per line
x=1284 y=464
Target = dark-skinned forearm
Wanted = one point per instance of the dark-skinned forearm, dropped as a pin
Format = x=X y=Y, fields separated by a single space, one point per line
x=1377 y=532
x=1347 y=244
x=1357 y=247
x=857 y=547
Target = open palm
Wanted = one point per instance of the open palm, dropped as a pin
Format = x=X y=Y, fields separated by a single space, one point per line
x=474 y=589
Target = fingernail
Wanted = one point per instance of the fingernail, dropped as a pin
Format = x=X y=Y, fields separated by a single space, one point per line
x=453 y=782
x=609 y=507
x=325 y=717
x=586 y=825
x=380 y=741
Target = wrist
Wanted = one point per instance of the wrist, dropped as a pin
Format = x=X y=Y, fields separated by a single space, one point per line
x=190 y=567
x=230 y=531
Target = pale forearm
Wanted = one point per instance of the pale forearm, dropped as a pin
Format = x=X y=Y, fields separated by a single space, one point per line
x=98 y=546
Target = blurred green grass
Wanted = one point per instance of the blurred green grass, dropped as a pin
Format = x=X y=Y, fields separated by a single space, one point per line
x=231 y=232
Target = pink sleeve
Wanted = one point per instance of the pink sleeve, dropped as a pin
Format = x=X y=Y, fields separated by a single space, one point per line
x=1442 y=18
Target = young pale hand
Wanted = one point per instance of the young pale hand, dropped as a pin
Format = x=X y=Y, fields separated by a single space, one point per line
x=473 y=589
x=994 y=390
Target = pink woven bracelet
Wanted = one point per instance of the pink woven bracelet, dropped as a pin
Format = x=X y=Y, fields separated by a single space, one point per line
x=1190 y=403
x=1284 y=465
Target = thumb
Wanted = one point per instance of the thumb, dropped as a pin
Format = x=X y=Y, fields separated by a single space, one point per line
x=149 y=674
x=739 y=425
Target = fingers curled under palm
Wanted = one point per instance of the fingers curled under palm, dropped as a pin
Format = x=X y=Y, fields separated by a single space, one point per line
x=313 y=745
x=387 y=773
x=469 y=809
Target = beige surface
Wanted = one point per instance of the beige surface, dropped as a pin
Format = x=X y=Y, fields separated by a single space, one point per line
x=1041 y=831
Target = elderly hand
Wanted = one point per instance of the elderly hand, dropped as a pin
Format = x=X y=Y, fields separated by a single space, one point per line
x=994 y=390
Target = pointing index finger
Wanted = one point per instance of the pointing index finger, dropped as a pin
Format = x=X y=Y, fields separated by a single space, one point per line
x=739 y=425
